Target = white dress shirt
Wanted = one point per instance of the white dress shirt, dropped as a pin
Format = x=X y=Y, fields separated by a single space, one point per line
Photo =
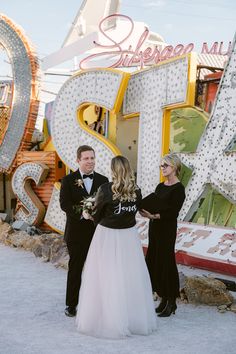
x=87 y=182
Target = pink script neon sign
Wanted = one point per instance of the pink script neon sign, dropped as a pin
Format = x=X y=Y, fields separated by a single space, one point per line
x=138 y=57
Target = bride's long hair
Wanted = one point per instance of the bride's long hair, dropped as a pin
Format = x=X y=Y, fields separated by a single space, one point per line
x=124 y=186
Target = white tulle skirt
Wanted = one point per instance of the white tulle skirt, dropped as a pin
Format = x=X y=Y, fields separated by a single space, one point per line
x=115 y=298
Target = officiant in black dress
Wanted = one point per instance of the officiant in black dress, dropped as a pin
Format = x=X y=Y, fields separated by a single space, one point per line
x=160 y=257
x=78 y=231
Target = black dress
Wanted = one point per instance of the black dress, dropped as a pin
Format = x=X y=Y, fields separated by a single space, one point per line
x=160 y=256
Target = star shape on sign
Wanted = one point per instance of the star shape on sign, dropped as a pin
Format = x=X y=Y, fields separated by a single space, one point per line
x=213 y=163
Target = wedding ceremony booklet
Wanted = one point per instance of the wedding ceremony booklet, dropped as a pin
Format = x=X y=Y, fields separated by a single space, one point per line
x=151 y=203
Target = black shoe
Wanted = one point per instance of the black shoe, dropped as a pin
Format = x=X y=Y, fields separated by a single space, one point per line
x=168 y=310
x=70 y=311
x=161 y=306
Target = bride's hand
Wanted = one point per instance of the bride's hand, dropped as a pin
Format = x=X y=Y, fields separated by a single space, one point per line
x=148 y=215
x=145 y=214
x=86 y=215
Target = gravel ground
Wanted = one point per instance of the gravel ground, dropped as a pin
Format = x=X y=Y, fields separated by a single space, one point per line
x=32 y=319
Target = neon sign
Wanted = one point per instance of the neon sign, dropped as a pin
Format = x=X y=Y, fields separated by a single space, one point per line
x=139 y=55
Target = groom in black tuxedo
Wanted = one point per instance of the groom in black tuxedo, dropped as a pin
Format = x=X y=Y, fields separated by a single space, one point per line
x=79 y=231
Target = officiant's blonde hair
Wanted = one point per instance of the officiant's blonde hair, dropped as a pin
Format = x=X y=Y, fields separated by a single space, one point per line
x=124 y=186
x=173 y=160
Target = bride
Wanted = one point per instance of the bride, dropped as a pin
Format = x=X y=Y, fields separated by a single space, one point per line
x=116 y=296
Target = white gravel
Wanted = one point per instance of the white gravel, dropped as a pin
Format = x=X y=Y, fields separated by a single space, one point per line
x=32 y=319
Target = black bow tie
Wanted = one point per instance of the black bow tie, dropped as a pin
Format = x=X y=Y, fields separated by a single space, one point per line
x=88 y=176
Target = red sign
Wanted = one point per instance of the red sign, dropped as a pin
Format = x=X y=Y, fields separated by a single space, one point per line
x=135 y=55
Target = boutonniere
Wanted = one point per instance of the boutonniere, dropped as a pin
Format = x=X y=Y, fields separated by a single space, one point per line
x=79 y=183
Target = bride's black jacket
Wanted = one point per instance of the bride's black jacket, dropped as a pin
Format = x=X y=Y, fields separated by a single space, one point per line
x=113 y=213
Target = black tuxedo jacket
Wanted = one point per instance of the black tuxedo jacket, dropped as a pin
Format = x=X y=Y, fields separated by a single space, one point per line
x=71 y=194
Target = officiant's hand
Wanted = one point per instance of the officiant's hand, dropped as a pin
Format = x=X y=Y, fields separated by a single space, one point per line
x=148 y=215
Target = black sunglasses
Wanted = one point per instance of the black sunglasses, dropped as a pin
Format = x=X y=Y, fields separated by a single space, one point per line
x=164 y=165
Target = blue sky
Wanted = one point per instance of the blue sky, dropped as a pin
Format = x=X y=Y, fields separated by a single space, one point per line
x=47 y=22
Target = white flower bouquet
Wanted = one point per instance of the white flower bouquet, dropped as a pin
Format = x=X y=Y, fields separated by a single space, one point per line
x=86 y=207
